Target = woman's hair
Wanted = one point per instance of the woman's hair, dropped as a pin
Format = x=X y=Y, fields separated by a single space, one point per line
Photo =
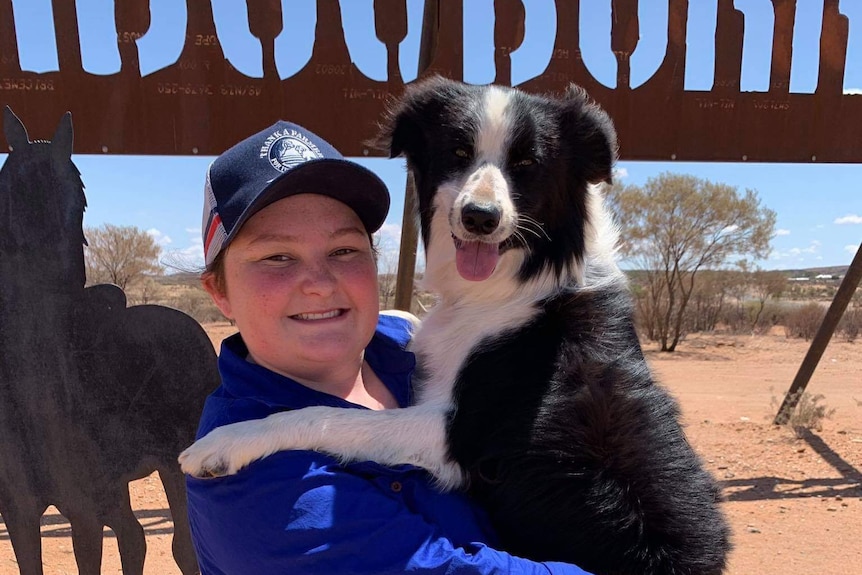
x=216 y=267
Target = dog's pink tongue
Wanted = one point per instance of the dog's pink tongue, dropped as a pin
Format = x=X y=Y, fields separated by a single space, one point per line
x=476 y=260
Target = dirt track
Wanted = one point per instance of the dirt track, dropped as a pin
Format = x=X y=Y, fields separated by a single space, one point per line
x=795 y=504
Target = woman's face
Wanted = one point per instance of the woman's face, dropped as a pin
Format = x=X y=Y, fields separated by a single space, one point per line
x=301 y=284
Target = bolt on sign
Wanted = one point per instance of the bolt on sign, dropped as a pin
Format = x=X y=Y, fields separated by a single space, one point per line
x=200 y=97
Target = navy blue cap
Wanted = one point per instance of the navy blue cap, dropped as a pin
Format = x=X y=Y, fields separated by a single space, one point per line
x=280 y=161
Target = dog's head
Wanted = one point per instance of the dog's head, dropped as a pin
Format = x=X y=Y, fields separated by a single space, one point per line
x=503 y=179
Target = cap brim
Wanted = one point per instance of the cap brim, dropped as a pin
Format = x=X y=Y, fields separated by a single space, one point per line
x=348 y=182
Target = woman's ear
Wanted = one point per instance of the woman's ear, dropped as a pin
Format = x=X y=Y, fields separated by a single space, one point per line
x=218 y=293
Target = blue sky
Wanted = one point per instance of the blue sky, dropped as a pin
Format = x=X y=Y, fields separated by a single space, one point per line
x=819 y=206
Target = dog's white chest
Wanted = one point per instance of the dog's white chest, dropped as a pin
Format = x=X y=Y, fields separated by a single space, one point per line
x=449 y=334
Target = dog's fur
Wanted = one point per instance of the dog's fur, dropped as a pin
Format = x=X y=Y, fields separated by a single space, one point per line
x=533 y=388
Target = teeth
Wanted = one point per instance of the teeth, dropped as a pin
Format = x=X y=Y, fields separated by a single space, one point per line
x=502 y=246
x=312 y=316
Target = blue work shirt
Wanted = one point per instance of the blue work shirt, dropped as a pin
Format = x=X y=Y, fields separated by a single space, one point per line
x=298 y=512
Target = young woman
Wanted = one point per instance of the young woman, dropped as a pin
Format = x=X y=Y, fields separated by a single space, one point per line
x=287 y=235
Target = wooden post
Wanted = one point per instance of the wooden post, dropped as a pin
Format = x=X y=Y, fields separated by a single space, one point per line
x=409 y=233
x=407 y=251
x=821 y=340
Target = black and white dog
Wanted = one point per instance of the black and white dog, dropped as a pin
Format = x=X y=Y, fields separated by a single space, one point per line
x=534 y=392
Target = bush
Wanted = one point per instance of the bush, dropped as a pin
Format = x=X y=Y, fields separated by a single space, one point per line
x=734 y=318
x=773 y=314
x=851 y=324
x=808 y=414
x=197 y=303
x=738 y=317
x=143 y=291
x=804 y=321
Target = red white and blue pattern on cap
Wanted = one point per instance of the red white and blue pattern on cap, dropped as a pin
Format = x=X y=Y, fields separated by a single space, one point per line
x=214 y=233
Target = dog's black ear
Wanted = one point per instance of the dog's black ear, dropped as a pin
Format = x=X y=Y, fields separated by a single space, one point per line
x=403 y=129
x=589 y=129
x=401 y=132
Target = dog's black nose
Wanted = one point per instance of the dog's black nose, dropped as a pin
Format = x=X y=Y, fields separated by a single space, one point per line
x=480 y=220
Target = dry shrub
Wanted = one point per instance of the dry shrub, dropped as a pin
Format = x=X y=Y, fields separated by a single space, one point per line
x=145 y=290
x=745 y=318
x=197 y=303
x=773 y=314
x=643 y=310
x=804 y=320
x=734 y=319
x=808 y=414
x=851 y=324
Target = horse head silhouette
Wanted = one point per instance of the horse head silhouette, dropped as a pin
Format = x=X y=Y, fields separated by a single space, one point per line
x=42 y=220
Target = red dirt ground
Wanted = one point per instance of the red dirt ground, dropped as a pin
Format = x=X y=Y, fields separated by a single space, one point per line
x=795 y=504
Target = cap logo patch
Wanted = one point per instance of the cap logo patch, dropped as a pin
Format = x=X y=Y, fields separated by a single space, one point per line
x=286 y=149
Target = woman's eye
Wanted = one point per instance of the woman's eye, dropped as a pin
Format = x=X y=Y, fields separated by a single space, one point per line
x=277 y=258
x=344 y=252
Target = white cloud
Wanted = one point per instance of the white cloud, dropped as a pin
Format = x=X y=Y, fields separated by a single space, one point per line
x=159 y=237
x=812 y=249
x=195 y=253
x=851 y=248
x=388 y=240
x=782 y=232
x=187 y=259
x=849 y=219
x=853 y=91
x=389 y=232
x=730 y=229
x=621 y=173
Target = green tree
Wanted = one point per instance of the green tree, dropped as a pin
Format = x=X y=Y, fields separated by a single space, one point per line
x=676 y=226
x=120 y=255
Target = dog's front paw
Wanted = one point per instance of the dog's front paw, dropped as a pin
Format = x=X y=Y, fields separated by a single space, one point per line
x=223 y=451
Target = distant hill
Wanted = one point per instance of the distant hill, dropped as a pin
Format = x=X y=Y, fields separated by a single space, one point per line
x=193 y=278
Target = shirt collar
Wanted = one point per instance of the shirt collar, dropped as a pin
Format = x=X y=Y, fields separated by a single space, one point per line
x=386 y=354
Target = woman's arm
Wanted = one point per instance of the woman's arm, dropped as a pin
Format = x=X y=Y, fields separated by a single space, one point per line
x=299 y=512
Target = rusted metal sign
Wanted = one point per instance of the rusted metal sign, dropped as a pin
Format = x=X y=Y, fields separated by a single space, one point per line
x=201 y=104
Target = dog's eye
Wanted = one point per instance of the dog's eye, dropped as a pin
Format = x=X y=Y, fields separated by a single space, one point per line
x=526 y=162
x=462 y=153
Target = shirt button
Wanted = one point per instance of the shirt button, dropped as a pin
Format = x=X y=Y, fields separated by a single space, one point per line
x=395 y=486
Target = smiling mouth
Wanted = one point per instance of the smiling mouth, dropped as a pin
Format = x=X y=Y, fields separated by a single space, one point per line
x=476 y=260
x=318 y=316
x=502 y=247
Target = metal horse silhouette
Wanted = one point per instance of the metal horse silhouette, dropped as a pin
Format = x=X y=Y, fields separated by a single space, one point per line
x=92 y=394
